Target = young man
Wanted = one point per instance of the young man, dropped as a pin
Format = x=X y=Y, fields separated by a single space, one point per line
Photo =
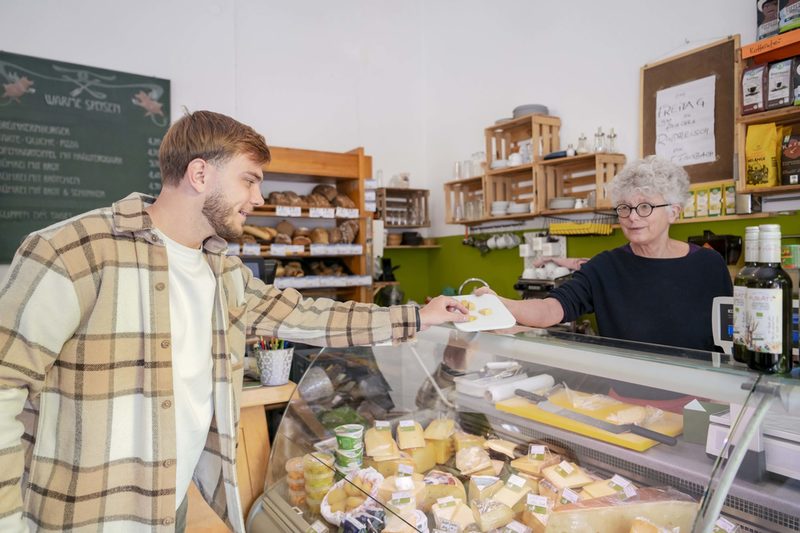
x=122 y=337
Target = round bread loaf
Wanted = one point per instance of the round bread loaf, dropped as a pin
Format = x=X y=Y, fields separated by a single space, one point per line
x=328 y=191
x=301 y=240
x=284 y=226
x=335 y=236
x=301 y=232
x=319 y=236
x=293 y=198
x=343 y=201
x=282 y=238
x=277 y=198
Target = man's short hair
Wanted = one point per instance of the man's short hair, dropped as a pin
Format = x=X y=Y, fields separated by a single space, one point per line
x=211 y=136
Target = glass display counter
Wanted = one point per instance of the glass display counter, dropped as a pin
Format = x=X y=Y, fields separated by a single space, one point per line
x=533 y=430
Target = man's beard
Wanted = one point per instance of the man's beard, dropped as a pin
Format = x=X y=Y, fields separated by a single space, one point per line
x=218 y=212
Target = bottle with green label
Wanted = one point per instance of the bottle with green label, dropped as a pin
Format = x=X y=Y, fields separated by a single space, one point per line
x=769 y=307
x=741 y=333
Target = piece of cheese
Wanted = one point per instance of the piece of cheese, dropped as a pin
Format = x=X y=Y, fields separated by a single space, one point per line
x=643 y=525
x=597 y=489
x=635 y=414
x=424 y=458
x=513 y=493
x=472 y=460
x=379 y=442
x=393 y=484
x=536 y=513
x=463 y=440
x=575 y=476
x=501 y=446
x=484 y=487
x=491 y=514
x=531 y=482
x=440 y=429
x=409 y=435
x=389 y=467
x=440 y=484
x=453 y=512
x=442 y=449
x=534 y=467
x=668 y=508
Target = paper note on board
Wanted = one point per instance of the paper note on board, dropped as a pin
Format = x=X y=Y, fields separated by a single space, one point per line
x=685 y=122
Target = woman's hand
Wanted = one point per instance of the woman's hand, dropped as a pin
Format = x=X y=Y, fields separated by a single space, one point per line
x=442 y=309
x=480 y=291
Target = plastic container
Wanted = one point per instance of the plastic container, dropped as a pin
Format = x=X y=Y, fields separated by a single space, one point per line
x=297 y=497
x=317 y=463
x=349 y=458
x=294 y=468
x=313 y=504
x=349 y=436
x=318 y=492
x=296 y=484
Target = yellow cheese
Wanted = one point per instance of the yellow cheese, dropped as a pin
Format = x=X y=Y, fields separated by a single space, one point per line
x=409 y=435
x=439 y=485
x=472 y=460
x=575 y=477
x=669 y=509
x=533 y=466
x=530 y=481
x=501 y=446
x=635 y=414
x=535 y=516
x=491 y=514
x=463 y=440
x=455 y=512
x=442 y=449
x=388 y=467
x=484 y=487
x=597 y=489
x=548 y=489
x=513 y=493
x=440 y=429
x=379 y=442
x=424 y=458
x=393 y=484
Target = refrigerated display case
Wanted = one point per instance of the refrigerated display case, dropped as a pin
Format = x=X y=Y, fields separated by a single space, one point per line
x=608 y=415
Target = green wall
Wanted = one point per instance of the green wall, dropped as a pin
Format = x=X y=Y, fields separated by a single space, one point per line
x=426 y=272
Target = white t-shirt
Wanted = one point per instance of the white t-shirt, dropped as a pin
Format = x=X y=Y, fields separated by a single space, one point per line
x=191 y=301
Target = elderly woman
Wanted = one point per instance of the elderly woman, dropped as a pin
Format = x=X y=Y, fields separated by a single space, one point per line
x=654 y=289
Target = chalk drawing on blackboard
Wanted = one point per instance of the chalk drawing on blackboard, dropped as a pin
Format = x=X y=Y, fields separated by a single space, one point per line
x=685 y=122
x=82 y=80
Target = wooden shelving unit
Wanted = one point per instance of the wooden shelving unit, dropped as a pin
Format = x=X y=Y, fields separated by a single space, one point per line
x=409 y=247
x=393 y=203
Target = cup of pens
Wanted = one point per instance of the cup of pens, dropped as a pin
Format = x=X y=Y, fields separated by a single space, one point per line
x=274 y=360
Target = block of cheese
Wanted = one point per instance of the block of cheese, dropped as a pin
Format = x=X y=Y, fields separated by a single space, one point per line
x=442 y=449
x=634 y=414
x=389 y=467
x=424 y=458
x=409 y=435
x=537 y=512
x=379 y=442
x=463 y=440
x=501 y=446
x=472 y=460
x=531 y=482
x=513 y=493
x=440 y=484
x=484 y=487
x=566 y=474
x=643 y=525
x=491 y=514
x=666 y=507
x=440 y=429
x=548 y=489
x=394 y=484
x=451 y=511
x=597 y=489
x=532 y=466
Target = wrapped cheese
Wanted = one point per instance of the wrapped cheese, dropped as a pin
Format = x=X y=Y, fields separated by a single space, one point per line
x=513 y=493
x=409 y=435
x=424 y=458
x=537 y=512
x=463 y=440
x=378 y=440
x=484 y=487
x=389 y=467
x=666 y=507
x=448 y=512
x=439 y=485
x=532 y=465
x=394 y=484
x=501 y=446
x=566 y=474
x=490 y=514
x=440 y=429
x=597 y=489
x=442 y=449
x=473 y=459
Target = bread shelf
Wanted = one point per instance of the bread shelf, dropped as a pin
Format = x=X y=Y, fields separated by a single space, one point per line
x=409 y=247
x=305 y=212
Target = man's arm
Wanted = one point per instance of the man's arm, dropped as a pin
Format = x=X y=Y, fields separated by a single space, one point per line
x=39 y=312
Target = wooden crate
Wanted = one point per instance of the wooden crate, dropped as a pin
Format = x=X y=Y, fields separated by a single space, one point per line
x=576 y=177
x=541 y=130
x=408 y=204
x=517 y=185
x=458 y=193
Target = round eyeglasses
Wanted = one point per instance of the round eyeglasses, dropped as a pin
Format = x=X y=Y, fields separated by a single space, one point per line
x=643 y=209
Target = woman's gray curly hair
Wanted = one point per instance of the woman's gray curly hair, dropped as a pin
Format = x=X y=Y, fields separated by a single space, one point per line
x=650 y=176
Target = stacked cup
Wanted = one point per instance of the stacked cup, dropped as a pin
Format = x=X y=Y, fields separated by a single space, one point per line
x=349 y=448
x=318 y=478
x=295 y=478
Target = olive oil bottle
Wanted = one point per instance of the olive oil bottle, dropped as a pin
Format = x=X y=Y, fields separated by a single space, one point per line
x=769 y=307
x=741 y=333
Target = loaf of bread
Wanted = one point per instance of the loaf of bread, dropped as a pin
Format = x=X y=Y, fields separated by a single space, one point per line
x=285 y=227
x=316 y=200
x=277 y=198
x=349 y=229
x=294 y=269
x=282 y=238
x=302 y=231
x=262 y=233
x=343 y=201
x=301 y=240
x=335 y=236
x=328 y=191
x=293 y=198
x=319 y=236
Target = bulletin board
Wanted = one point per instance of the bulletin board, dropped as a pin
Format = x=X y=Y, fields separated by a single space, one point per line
x=718 y=59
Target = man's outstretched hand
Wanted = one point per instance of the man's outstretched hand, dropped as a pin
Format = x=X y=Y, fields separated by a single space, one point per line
x=442 y=309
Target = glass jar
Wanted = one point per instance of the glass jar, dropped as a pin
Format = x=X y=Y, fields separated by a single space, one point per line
x=583 y=145
x=611 y=142
x=599 y=141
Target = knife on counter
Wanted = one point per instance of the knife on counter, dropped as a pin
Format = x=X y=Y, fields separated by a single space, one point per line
x=546 y=405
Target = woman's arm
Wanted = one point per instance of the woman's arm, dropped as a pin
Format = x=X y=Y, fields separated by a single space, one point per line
x=535 y=313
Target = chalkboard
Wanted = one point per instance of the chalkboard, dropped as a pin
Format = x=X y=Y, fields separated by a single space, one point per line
x=73 y=138
x=718 y=60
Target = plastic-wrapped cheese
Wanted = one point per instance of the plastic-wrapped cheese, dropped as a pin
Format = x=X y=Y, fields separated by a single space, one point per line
x=605 y=487
x=424 y=458
x=440 y=429
x=378 y=442
x=666 y=507
x=439 y=485
x=533 y=466
x=409 y=435
x=442 y=449
x=566 y=474
x=484 y=487
x=389 y=467
x=451 y=511
x=393 y=484
x=463 y=440
x=473 y=459
x=513 y=493
x=501 y=446
x=537 y=512
x=490 y=514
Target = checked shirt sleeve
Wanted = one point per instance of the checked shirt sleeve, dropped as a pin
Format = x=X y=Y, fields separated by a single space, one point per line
x=40 y=312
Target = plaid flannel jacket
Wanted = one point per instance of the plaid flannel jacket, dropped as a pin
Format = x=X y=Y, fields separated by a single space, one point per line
x=87 y=428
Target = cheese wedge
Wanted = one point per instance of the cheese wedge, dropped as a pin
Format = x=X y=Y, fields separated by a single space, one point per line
x=439 y=485
x=536 y=516
x=597 y=489
x=440 y=429
x=573 y=479
x=501 y=446
x=491 y=514
x=533 y=466
x=463 y=440
x=484 y=487
x=442 y=449
x=424 y=458
x=635 y=414
x=455 y=512
x=472 y=460
x=409 y=435
x=391 y=485
x=389 y=467
x=379 y=442
x=513 y=494
x=668 y=508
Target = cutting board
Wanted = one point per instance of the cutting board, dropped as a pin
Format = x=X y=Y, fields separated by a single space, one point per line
x=669 y=424
x=486 y=311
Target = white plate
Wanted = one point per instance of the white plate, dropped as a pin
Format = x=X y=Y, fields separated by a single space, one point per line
x=498 y=318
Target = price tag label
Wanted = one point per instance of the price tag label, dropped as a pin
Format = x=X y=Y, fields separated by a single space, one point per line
x=251 y=248
x=345 y=212
x=537 y=451
x=283 y=250
x=564 y=469
x=568 y=496
x=401 y=498
x=629 y=491
x=288 y=211
x=447 y=501
x=722 y=525
x=317 y=527
x=538 y=504
x=406 y=425
x=515 y=482
x=404 y=470
x=516 y=527
x=321 y=212
x=448 y=526
x=382 y=425
x=234 y=248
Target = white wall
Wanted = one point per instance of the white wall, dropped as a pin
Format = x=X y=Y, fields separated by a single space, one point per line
x=414 y=82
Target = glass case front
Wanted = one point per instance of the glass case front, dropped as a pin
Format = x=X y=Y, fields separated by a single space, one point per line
x=533 y=430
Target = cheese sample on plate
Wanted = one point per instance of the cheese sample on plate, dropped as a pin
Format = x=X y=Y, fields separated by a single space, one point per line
x=440 y=429
x=473 y=460
x=463 y=440
x=378 y=440
x=424 y=458
x=533 y=466
x=442 y=449
x=566 y=475
x=666 y=507
x=484 y=487
x=409 y=435
x=439 y=485
x=513 y=493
